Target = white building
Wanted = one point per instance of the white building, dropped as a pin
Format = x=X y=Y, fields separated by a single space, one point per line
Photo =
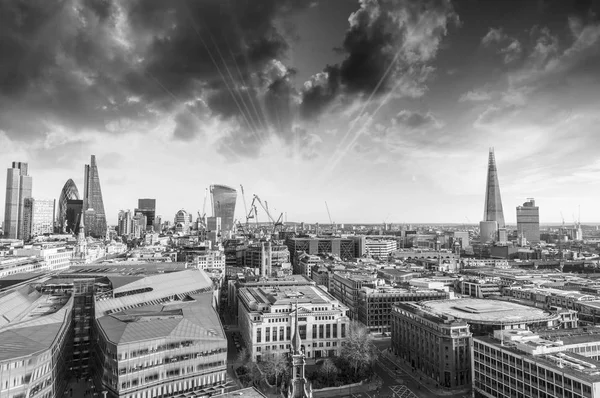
x=38 y=217
x=380 y=247
x=51 y=257
x=266 y=314
x=211 y=259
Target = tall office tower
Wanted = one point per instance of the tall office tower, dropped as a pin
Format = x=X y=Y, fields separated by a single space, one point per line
x=73 y=216
x=528 y=221
x=223 y=204
x=38 y=217
x=125 y=223
x=69 y=192
x=148 y=208
x=95 y=218
x=493 y=202
x=18 y=188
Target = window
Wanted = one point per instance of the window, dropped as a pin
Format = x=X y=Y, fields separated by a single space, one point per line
x=258 y=335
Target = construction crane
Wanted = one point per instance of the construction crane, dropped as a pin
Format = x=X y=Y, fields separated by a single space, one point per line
x=202 y=217
x=245 y=207
x=329 y=215
x=277 y=222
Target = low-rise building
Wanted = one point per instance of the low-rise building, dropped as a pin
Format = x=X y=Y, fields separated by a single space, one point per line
x=521 y=363
x=436 y=344
x=266 y=320
x=375 y=304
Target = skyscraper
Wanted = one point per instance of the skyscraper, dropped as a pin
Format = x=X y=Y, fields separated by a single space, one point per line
x=38 y=217
x=493 y=202
x=69 y=192
x=528 y=221
x=223 y=204
x=148 y=208
x=95 y=218
x=18 y=188
x=73 y=216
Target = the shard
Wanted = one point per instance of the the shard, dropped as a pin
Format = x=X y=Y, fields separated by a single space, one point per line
x=69 y=192
x=493 y=202
x=93 y=205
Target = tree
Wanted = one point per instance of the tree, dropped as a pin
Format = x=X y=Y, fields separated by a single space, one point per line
x=329 y=370
x=276 y=365
x=359 y=350
x=243 y=356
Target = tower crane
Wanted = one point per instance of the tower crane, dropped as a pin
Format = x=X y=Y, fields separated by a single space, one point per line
x=245 y=207
x=277 y=222
x=329 y=215
x=202 y=218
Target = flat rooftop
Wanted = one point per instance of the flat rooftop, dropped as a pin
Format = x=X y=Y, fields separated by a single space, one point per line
x=488 y=311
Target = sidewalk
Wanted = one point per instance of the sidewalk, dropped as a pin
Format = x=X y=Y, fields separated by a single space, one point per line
x=421 y=378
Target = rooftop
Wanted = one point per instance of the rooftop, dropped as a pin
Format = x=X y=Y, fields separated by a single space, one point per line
x=193 y=318
x=488 y=311
x=286 y=295
x=30 y=321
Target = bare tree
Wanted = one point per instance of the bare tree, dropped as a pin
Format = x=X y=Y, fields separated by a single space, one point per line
x=276 y=365
x=359 y=350
x=328 y=369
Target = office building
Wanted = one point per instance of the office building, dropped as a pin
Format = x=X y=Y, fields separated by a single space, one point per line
x=264 y=256
x=375 y=304
x=68 y=192
x=338 y=247
x=436 y=344
x=266 y=316
x=182 y=222
x=18 y=188
x=485 y=316
x=493 y=201
x=380 y=247
x=223 y=205
x=38 y=217
x=493 y=215
x=528 y=221
x=523 y=363
x=74 y=216
x=93 y=204
x=148 y=208
x=36 y=338
x=125 y=223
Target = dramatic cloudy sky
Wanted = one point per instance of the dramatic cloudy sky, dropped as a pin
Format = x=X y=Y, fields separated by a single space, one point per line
x=383 y=108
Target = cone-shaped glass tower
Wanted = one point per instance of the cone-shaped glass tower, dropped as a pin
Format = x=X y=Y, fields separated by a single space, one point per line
x=93 y=205
x=69 y=192
x=493 y=202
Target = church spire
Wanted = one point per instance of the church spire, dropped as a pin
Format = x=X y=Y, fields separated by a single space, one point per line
x=296 y=341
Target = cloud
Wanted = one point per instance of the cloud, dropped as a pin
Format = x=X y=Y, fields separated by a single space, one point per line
x=475 y=96
x=387 y=47
x=414 y=120
x=512 y=52
x=493 y=36
x=104 y=65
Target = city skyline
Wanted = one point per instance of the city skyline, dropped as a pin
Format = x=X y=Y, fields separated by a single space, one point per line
x=402 y=116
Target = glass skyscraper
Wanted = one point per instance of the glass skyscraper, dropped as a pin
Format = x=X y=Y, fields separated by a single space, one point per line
x=223 y=203
x=95 y=218
x=148 y=208
x=493 y=202
x=69 y=192
x=18 y=188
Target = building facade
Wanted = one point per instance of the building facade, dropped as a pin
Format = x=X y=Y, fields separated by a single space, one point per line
x=520 y=363
x=493 y=202
x=528 y=221
x=147 y=207
x=380 y=247
x=266 y=320
x=73 y=216
x=18 y=188
x=68 y=192
x=38 y=217
x=223 y=200
x=375 y=305
x=437 y=345
x=93 y=203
